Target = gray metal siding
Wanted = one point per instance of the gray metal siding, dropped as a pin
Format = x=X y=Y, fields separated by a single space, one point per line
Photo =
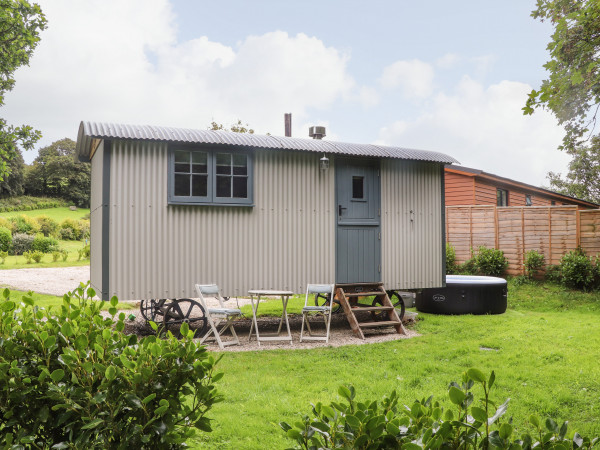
x=96 y=221
x=160 y=251
x=412 y=224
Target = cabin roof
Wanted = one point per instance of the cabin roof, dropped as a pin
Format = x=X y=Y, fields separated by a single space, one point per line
x=90 y=131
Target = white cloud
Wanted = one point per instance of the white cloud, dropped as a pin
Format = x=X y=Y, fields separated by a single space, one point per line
x=484 y=128
x=108 y=60
x=414 y=77
x=448 y=61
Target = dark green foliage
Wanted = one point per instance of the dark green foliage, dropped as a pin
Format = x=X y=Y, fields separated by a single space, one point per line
x=21 y=243
x=25 y=203
x=48 y=226
x=426 y=424
x=24 y=224
x=578 y=271
x=20 y=25
x=56 y=173
x=451 y=265
x=5 y=239
x=491 y=261
x=71 y=379
x=44 y=244
x=12 y=185
x=534 y=263
x=469 y=267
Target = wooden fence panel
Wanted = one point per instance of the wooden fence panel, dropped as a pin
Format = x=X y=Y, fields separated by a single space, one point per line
x=552 y=231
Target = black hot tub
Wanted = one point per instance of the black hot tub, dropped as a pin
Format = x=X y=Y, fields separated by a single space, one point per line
x=465 y=294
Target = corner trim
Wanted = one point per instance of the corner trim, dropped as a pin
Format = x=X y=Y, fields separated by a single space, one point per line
x=106 y=219
x=443 y=196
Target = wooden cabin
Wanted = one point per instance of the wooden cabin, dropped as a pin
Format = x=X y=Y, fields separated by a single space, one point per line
x=171 y=207
x=465 y=186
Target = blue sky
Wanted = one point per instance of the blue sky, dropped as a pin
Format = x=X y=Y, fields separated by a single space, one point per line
x=438 y=75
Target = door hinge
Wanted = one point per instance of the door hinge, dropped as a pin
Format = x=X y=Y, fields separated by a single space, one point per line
x=380 y=235
x=379 y=268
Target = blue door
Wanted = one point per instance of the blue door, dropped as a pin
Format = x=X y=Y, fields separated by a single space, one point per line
x=358 y=231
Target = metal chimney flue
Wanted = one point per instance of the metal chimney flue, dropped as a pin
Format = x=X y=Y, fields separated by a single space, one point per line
x=287 y=118
x=317 y=132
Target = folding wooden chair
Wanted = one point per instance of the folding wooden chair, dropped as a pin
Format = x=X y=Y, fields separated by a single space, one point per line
x=218 y=316
x=308 y=311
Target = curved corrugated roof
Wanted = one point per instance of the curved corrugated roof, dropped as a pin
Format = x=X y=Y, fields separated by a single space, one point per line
x=94 y=130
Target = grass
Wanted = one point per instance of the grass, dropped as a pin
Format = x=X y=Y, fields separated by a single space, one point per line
x=58 y=214
x=72 y=247
x=544 y=350
x=48 y=301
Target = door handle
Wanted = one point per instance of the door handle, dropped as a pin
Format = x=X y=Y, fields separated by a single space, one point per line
x=340 y=209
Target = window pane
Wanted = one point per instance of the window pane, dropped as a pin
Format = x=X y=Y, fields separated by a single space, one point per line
x=240 y=187
x=182 y=156
x=182 y=168
x=358 y=191
x=199 y=168
x=199 y=185
x=223 y=159
x=224 y=170
x=223 y=186
x=199 y=158
x=240 y=165
x=182 y=185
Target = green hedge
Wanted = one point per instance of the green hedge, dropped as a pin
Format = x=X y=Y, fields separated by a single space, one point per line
x=26 y=203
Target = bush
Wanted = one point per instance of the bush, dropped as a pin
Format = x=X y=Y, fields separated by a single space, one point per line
x=27 y=203
x=577 y=271
x=37 y=256
x=468 y=424
x=451 y=265
x=21 y=243
x=48 y=226
x=74 y=380
x=24 y=224
x=5 y=223
x=534 y=263
x=28 y=257
x=3 y=256
x=491 y=262
x=5 y=239
x=469 y=267
x=44 y=244
x=553 y=273
x=78 y=229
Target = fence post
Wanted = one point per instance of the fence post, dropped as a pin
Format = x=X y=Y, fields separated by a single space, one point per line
x=550 y=234
x=496 y=238
x=578 y=228
x=522 y=268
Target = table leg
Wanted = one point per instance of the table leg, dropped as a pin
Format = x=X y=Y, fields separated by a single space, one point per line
x=254 y=324
x=287 y=323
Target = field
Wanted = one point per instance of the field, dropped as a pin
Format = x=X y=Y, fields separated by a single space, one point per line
x=544 y=350
x=72 y=247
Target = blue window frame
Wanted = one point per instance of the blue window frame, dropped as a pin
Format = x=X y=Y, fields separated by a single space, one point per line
x=210 y=177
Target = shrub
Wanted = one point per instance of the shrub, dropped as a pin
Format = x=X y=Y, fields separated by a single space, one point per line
x=468 y=424
x=577 y=271
x=469 y=267
x=3 y=256
x=66 y=234
x=37 y=256
x=64 y=255
x=77 y=229
x=44 y=244
x=28 y=257
x=24 y=224
x=55 y=255
x=48 y=226
x=29 y=203
x=451 y=265
x=70 y=378
x=491 y=261
x=534 y=263
x=21 y=243
x=5 y=223
x=5 y=239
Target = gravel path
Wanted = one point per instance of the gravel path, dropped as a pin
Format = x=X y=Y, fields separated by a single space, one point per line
x=53 y=280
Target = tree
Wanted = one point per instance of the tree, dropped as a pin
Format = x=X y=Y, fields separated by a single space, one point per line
x=238 y=127
x=56 y=173
x=20 y=25
x=572 y=91
x=12 y=185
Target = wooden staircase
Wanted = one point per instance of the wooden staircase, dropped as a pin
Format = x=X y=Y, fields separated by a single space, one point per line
x=348 y=296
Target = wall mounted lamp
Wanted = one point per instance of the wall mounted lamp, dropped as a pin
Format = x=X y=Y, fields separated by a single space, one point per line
x=324 y=163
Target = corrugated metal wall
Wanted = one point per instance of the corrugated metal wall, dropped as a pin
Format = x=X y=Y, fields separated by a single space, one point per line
x=159 y=250
x=96 y=220
x=411 y=224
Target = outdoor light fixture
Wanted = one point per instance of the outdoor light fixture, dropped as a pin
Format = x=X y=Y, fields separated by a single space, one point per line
x=324 y=163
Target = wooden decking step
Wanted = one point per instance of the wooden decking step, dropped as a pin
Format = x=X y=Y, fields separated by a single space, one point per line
x=373 y=308
x=379 y=323
x=363 y=294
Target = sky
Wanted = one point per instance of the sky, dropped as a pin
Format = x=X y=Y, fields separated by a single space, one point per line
x=444 y=76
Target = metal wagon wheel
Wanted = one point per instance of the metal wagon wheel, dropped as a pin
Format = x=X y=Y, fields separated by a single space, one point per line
x=397 y=302
x=149 y=308
x=185 y=310
x=324 y=300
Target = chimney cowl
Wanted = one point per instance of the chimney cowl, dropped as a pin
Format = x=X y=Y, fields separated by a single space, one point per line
x=317 y=132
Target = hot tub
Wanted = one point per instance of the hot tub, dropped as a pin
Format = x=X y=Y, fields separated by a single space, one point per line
x=465 y=294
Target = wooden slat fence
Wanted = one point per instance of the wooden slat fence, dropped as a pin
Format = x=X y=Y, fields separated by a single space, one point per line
x=551 y=230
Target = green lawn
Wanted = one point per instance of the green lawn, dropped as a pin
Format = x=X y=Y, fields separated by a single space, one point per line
x=544 y=349
x=58 y=214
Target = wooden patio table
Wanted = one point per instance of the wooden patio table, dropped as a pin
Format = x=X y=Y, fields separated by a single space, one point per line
x=256 y=294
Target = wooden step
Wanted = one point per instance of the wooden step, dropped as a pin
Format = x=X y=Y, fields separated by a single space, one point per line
x=372 y=308
x=363 y=294
x=382 y=323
